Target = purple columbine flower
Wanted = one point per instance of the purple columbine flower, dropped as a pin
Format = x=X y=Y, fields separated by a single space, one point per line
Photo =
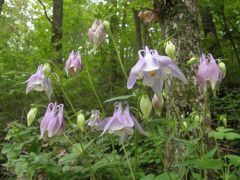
x=95 y=121
x=74 y=63
x=53 y=121
x=122 y=122
x=208 y=71
x=97 y=33
x=39 y=82
x=154 y=69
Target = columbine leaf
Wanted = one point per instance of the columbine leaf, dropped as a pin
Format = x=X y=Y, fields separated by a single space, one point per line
x=124 y=97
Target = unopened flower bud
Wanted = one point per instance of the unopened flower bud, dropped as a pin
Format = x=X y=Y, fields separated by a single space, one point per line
x=222 y=66
x=185 y=125
x=193 y=60
x=170 y=50
x=31 y=116
x=224 y=120
x=81 y=120
x=157 y=103
x=145 y=106
x=46 y=69
x=106 y=24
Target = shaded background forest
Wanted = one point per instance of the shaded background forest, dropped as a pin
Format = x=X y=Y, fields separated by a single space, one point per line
x=35 y=32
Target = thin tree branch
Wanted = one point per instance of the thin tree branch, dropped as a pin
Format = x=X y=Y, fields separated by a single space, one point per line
x=1 y=5
x=45 y=11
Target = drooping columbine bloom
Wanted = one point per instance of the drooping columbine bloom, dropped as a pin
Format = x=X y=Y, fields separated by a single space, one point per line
x=122 y=122
x=154 y=69
x=39 y=82
x=74 y=63
x=97 y=33
x=53 y=121
x=95 y=121
x=208 y=71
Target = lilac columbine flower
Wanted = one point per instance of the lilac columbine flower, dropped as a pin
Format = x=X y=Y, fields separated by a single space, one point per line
x=39 y=82
x=53 y=121
x=95 y=121
x=97 y=33
x=154 y=69
x=208 y=71
x=74 y=63
x=122 y=122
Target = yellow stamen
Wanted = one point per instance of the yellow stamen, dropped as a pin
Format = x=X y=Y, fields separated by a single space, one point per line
x=152 y=73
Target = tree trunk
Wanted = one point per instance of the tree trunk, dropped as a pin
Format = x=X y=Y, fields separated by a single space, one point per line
x=1 y=5
x=57 y=28
x=137 y=28
x=212 y=42
x=179 y=20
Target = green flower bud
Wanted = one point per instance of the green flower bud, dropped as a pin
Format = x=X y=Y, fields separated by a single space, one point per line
x=46 y=69
x=106 y=24
x=145 y=106
x=222 y=66
x=31 y=116
x=81 y=120
x=223 y=118
x=193 y=60
x=157 y=102
x=170 y=50
x=185 y=125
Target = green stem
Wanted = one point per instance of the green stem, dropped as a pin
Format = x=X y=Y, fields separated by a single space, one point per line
x=206 y=125
x=136 y=154
x=223 y=171
x=117 y=51
x=129 y=165
x=81 y=152
x=206 y=109
x=115 y=158
x=203 y=152
x=64 y=93
x=94 y=90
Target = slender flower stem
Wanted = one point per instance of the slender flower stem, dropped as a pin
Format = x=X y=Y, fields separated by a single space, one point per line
x=81 y=152
x=117 y=51
x=206 y=109
x=94 y=90
x=205 y=125
x=115 y=158
x=65 y=94
x=136 y=154
x=129 y=165
x=219 y=156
